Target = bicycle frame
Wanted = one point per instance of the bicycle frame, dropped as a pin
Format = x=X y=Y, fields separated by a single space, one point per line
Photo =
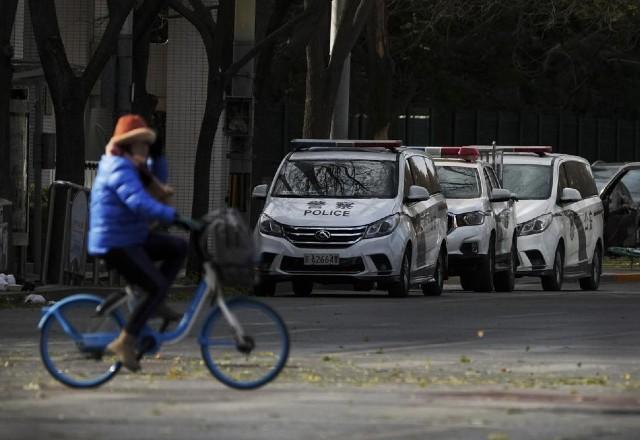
x=94 y=342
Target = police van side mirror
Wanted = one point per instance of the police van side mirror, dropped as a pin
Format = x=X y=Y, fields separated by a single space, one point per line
x=500 y=195
x=260 y=192
x=570 y=195
x=417 y=194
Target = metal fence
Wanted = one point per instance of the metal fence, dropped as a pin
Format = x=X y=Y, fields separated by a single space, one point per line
x=608 y=139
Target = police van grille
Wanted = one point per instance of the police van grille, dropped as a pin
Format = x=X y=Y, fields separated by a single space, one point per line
x=307 y=237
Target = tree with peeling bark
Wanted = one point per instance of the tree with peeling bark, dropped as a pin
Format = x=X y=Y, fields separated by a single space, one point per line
x=217 y=37
x=324 y=70
x=7 y=18
x=70 y=88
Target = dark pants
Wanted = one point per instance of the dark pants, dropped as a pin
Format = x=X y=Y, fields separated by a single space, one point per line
x=136 y=265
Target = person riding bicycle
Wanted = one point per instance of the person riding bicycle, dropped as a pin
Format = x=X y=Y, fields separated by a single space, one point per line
x=120 y=211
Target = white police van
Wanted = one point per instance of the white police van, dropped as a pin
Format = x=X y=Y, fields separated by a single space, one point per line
x=559 y=213
x=358 y=212
x=481 y=239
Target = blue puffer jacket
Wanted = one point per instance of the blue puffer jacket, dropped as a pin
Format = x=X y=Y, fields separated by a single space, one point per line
x=121 y=208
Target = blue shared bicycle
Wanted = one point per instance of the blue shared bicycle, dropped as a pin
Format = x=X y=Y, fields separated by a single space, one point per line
x=243 y=342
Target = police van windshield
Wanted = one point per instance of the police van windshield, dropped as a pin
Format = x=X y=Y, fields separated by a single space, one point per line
x=459 y=182
x=527 y=181
x=363 y=179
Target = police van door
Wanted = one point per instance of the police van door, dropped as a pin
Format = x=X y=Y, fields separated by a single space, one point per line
x=621 y=201
x=423 y=218
x=501 y=212
x=584 y=229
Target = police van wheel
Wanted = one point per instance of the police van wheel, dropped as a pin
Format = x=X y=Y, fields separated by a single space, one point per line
x=486 y=271
x=265 y=288
x=593 y=281
x=554 y=281
x=401 y=288
x=435 y=288
x=302 y=287
x=466 y=281
x=505 y=281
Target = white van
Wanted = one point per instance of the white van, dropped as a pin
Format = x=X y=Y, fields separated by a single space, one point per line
x=560 y=217
x=358 y=212
x=481 y=240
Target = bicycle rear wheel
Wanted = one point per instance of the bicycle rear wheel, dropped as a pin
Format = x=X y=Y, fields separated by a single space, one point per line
x=256 y=361
x=72 y=342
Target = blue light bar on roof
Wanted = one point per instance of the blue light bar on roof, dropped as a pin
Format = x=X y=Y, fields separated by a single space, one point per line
x=303 y=144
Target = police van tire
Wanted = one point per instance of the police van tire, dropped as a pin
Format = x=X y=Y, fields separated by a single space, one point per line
x=400 y=288
x=592 y=282
x=554 y=281
x=265 y=288
x=486 y=270
x=466 y=281
x=302 y=287
x=505 y=281
x=436 y=287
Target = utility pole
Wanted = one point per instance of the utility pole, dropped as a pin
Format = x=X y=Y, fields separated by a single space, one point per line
x=340 y=118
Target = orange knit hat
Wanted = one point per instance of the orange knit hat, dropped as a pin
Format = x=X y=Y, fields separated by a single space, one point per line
x=132 y=128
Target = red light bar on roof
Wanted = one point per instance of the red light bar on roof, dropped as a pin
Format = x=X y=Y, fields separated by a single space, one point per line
x=303 y=144
x=469 y=154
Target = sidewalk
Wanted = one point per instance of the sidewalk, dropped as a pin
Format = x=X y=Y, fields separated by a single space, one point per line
x=55 y=292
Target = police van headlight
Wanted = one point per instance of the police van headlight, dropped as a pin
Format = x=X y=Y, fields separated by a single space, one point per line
x=382 y=227
x=535 y=226
x=269 y=226
x=474 y=218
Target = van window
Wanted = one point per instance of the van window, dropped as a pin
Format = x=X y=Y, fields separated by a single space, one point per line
x=419 y=171
x=579 y=177
x=488 y=182
x=434 y=183
x=363 y=179
x=492 y=177
x=632 y=181
x=528 y=181
x=408 y=178
x=459 y=182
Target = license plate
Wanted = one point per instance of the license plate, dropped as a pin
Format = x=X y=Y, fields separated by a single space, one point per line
x=321 y=259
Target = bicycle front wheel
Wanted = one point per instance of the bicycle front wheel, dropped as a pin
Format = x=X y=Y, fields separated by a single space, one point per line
x=256 y=360
x=73 y=339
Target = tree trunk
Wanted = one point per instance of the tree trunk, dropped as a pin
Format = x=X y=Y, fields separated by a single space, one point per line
x=324 y=71
x=70 y=139
x=69 y=93
x=202 y=168
x=318 y=107
x=143 y=103
x=380 y=73
x=7 y=18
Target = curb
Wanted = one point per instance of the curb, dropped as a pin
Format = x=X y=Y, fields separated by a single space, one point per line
x=621 y=277
x=56 y=293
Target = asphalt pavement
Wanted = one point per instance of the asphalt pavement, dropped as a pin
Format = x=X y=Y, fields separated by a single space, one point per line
x=494 y=366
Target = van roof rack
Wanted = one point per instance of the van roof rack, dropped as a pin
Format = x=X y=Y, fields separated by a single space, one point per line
x=468 y=154
x=540 y=150
x=306 y=144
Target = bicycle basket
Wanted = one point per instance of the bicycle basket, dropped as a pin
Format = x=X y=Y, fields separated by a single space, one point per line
x=228 y=244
